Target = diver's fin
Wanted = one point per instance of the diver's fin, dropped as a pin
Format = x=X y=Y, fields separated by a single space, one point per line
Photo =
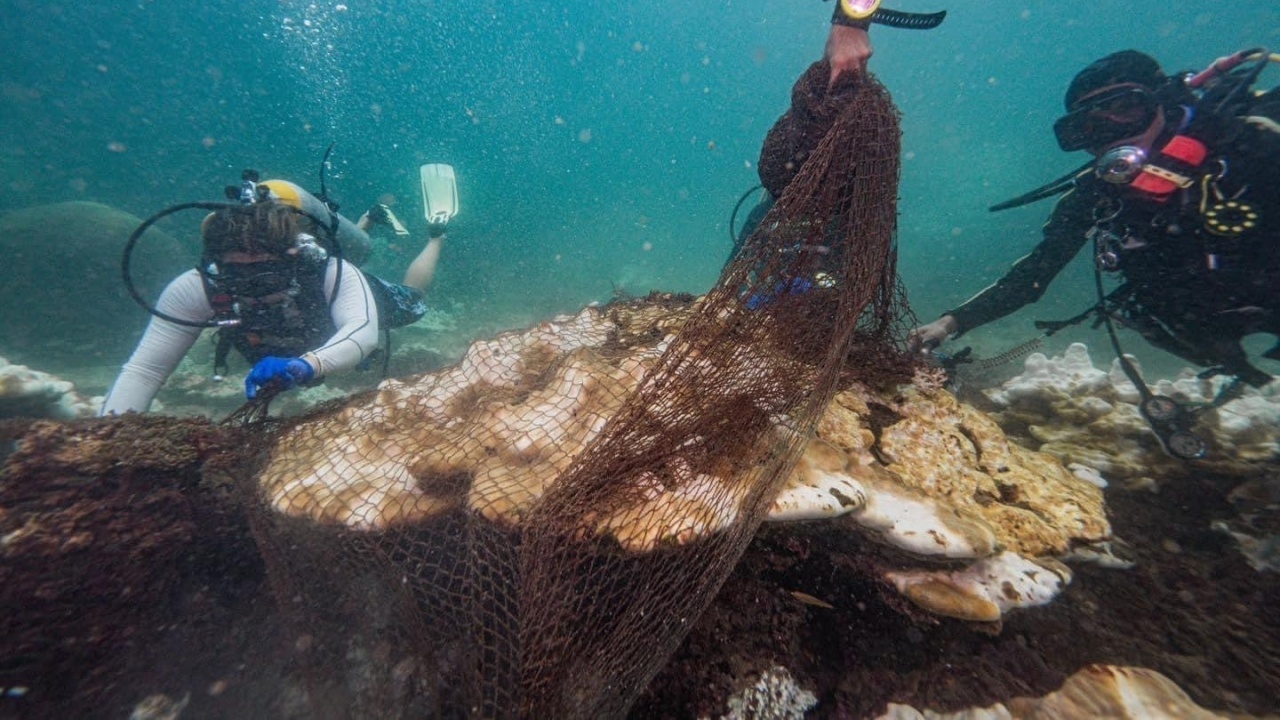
x=396 y=225
x=439 y=192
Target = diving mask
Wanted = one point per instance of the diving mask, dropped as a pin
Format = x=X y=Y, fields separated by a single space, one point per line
x=1107 y=117
x=252 y=279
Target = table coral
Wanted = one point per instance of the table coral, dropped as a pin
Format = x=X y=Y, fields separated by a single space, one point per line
x=911 y=467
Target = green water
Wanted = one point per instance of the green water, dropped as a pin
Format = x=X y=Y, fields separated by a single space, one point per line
x=599 y=145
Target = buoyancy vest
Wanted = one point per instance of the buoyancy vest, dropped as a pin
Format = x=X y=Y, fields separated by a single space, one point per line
x=286 y=322
x=1211 y=232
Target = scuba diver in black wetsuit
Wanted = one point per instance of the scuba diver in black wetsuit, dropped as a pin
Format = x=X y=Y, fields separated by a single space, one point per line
x=1182 y=205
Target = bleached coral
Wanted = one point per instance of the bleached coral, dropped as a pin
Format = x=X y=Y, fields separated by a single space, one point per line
x=30 y=393
x=912 y=467
x=987 y=589
x=1089 y=417
x=509 y=418
x=1099 y=692
x=938 y=479
x=774 y=696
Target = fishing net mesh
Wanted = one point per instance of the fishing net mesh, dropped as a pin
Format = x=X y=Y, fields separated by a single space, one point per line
x=533 y=531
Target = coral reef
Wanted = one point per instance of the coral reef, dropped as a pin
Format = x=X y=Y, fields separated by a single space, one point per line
x=810 y=598
x=64 y=304
x=511 y=416
x=129 y=571
x=1089 y=419
x=33 y=394
x=912 y=467
x=1086 y=416
x=774 y=696
x=1100 y=692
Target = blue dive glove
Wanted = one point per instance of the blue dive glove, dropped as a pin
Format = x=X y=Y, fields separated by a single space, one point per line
x=288 y=373
x=797 y=286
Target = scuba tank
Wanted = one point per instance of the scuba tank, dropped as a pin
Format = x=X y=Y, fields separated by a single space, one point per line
x=355 y=242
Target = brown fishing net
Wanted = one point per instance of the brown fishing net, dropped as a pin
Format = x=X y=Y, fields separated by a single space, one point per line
x=531 y=532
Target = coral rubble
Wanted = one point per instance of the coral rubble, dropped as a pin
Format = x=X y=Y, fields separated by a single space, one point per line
x=775 y=695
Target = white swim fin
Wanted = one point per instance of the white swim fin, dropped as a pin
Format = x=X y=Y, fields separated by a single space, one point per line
x=396 y=225
x=439 y=192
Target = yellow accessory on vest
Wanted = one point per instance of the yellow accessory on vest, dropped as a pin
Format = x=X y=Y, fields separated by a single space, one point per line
x=1230 y=219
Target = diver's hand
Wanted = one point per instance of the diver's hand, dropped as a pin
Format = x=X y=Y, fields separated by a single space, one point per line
x=848 y=49
x=378 y=215
x=288 y=373
x=927 y=337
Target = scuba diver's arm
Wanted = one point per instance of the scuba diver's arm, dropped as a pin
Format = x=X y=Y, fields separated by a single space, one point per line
x=1030 y=276
x=355 y=314
x=162 y=346
x=847 y=51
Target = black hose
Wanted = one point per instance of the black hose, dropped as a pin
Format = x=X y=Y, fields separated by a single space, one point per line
x=127 y=259
x=733 y=216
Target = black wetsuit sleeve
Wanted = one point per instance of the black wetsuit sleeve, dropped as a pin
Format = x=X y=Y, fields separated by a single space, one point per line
x=1029 y=277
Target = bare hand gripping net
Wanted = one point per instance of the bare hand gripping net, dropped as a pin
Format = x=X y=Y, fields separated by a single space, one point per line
x=533 y=531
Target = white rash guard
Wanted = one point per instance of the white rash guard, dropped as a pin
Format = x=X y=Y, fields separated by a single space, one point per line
x=354 y=313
